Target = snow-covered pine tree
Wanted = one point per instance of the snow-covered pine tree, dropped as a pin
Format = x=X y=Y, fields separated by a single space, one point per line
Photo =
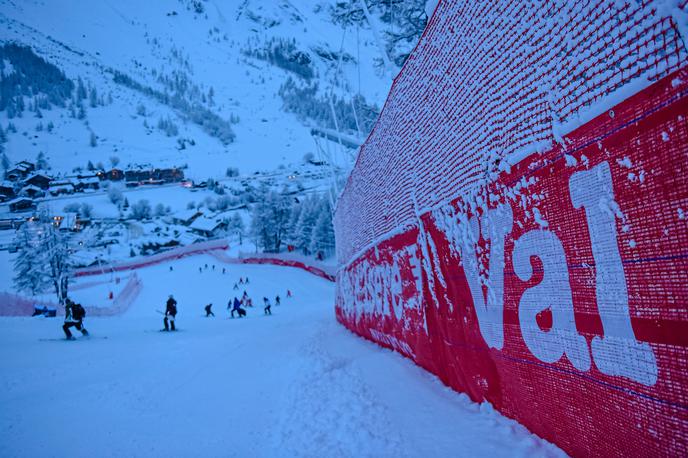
x=59 y=263
x=4 y=162
x=322 y=239
x=306 y=223
x=292 y=226
x=93 y=97
x=236 y=226
x=80 y=89
x=269 y=220
x=259 y=229
x=281 y=206
x=41 y=162
x=29 y=265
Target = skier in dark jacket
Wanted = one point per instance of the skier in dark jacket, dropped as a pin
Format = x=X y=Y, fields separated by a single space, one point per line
x=208 y=311
x=277 y=300
x=267 y=309
x=237 y=308
x=170 y=314
x=74 y=316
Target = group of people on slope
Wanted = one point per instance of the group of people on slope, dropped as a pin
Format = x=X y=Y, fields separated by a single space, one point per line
x=202 y=268
x=235 y=305
x=75 y=313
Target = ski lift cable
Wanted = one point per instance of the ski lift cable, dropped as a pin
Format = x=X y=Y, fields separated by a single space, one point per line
x=389 y=66
x=322 y=155
x=333 y=168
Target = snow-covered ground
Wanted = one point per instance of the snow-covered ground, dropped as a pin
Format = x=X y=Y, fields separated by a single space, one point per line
x=293 y=384
x=148 y=40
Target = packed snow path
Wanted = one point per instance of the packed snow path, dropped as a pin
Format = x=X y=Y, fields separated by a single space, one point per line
x=293 y=384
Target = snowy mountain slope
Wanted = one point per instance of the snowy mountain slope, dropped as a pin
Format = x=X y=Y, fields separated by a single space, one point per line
x=293 y=384
x=163 y=45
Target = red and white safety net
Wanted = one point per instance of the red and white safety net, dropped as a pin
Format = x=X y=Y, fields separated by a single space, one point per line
x=517 y=221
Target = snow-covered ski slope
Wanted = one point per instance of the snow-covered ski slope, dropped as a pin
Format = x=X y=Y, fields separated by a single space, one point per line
x=293 y=384
x=148 y=41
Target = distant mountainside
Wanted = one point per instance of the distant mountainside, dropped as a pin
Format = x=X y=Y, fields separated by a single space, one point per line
x=204 y=83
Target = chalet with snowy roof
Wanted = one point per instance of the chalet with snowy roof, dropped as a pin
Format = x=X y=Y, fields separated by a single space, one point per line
x=29 y=166
x=172 y=175
x=91 y=182
x=21 y=204
x=39 y=180
x=68 y=222
x=84 y=182
x=137 y=175
x=114 y=175
x=32 y=191
x=20 y=171
x=186 y=217
x=7 y=190
x=207 y=227
x=61 y=187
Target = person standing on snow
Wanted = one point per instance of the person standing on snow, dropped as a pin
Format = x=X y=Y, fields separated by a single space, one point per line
x=74 y=316
x=277 y=300
x=170 y=314
x=288 y=293
x=237 y=308
x=208 y=311
x=267 y=309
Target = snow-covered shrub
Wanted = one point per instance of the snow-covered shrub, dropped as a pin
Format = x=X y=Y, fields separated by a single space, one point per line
x=160 y=210
x=82 y=209
x=115 y=194
x=141 y=210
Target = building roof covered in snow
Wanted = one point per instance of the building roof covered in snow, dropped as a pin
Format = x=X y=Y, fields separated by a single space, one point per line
x=207 y=225
x=186 y=216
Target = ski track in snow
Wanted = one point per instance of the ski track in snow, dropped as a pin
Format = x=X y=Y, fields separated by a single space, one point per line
x=343 y=416
x=293 y=384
